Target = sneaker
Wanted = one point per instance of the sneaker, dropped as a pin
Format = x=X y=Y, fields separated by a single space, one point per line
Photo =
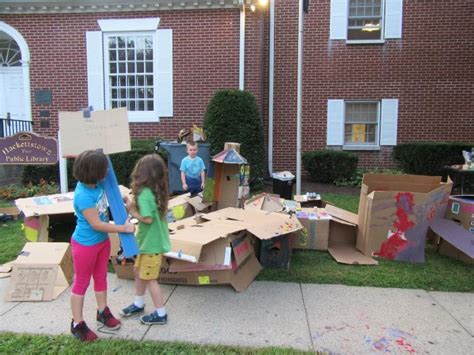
x=131 y=310
x=154 y=318
x=108 y=320
x=82 y=332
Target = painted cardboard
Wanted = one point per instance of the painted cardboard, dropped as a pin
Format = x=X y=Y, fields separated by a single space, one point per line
x=342 y=238
x=41 y=272
x=107 y=130
x=456 y=241
x=315 y=232
x=461 y=210
x=395 y=212
x=265 y=201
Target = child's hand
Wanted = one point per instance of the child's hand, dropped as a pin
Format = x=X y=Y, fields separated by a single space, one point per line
x=128 y=227
x=203 y=185
x=185 y=187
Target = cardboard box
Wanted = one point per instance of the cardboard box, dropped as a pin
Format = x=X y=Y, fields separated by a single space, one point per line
x=315 y=234
x=342 y=238
x=184 y=206
x=41 y=272
x=307 y=201
x=123 y=271
x=461 y=210
x=395 y=212
x=265 y=202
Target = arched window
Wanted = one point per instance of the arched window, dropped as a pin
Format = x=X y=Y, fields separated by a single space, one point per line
x=10 y=55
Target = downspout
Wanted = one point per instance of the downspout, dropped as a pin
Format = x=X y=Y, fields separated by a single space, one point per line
x=242 y=45
x=299 y=100
x=271 y=63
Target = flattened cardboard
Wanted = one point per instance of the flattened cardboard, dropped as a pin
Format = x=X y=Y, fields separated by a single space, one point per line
x=46 y=205
x=11 y=211
x=265 y=202
x=108 y=130
x=342 y=238
x=41 y=272
x=461 y=210
x=395 y=212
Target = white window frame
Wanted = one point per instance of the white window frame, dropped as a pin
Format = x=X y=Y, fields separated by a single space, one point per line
x=391 y=23
x=366 y=146
x=382 y=27
x=133 y=116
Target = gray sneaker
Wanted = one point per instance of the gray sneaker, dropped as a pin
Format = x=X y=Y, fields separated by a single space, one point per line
x=131 y=310
x=154 y=318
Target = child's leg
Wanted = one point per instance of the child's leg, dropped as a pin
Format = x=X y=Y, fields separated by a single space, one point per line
x=84 y=258
x=156 y=294
x=100 y=274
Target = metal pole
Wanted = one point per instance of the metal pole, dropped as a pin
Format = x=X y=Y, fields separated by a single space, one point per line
x=62 y=168
x=242 y=46
x=299 y=97
x=271 y=62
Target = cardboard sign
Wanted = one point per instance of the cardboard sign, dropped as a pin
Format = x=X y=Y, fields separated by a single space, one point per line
x=27 y=148
x=41 y=272
x=107 y=130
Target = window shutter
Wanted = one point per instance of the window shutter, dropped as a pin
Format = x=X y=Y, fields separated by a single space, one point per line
x=335 y=124
x=393 y=18
x=95 y=70
x=338 y=25
x=164 y=73
x=389 y=122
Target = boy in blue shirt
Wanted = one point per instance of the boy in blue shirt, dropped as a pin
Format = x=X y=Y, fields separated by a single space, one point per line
x=192 y=170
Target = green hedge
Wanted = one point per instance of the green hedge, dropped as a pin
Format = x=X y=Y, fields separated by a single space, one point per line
x=429 y=158
x=233 y=116
x=123 y=164
x=328 y=166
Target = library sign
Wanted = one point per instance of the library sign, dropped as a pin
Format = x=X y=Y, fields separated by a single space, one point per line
x=26 y=148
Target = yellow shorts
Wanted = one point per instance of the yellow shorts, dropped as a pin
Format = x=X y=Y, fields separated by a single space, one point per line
x=148 y=266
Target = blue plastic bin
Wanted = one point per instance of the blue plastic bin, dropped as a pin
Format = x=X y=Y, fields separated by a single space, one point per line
x=176 y=153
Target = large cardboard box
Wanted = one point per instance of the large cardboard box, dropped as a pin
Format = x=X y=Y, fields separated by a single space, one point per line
x=461 y=210
x=41 y=272
x=395 y=212
x=315 y=232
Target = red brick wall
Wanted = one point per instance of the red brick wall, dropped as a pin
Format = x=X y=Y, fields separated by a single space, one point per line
x=430 y=71
x=205 y=59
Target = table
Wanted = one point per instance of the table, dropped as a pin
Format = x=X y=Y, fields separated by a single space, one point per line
x=459 y=173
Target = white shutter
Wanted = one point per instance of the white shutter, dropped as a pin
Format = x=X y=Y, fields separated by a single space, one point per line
x=164 y=74
x=335 y=123
x=389 y=122
x=95 y=70
x=393 y=18
x=338 y=25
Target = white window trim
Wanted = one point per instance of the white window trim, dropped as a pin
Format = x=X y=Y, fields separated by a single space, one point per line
x=358 y=146
x=369 y=41
x=121 y=25
x=133 y=116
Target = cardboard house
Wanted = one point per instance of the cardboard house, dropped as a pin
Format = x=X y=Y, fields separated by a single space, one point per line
x=456 y=231
x=41 y=272
x=395 y=212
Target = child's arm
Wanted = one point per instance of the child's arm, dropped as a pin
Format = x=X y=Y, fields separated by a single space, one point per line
x=92 y=217
x=135 y=214
x=183 y=181
x=203 y=178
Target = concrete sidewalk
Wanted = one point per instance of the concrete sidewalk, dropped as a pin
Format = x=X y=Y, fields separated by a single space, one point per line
x=332 y=318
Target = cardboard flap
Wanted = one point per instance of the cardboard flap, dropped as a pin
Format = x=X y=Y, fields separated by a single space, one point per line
x=242 y=248
x=347 y=254
x=178 y=200
x=415 y=179
x=456 y=235
x=342 y=216
x=186 y=222
x=256 y=202
x=246 y=273
x=32 y=282
x=198 y=204
x=183 y=250
x=266 y=202
x=42 y=253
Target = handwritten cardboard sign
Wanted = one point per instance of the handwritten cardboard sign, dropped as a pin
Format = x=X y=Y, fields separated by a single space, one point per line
x=107 y=130
x=26 y=148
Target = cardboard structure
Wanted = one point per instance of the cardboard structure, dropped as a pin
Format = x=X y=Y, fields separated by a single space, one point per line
x=315 y=234
x=395 y=212
x=184 y=206
x=456 y=232
x=84 y=130
x=41 y=272
x=40 y=211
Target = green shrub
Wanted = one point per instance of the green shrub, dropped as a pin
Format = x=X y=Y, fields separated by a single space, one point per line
x=233 y=116
x=328 y=166
x=12 y=192
x=429 y=158
x=123 y=164
x=356 y=179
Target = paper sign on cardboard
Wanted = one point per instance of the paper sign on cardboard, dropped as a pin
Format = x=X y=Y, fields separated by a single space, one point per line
x=107 y=130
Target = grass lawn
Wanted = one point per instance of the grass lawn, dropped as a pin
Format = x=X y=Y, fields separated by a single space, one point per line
x=41 y=344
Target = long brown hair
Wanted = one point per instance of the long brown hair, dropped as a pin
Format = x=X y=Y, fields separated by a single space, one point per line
x=150 y=171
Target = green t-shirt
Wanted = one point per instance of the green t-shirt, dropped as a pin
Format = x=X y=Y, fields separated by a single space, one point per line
x=152 y=238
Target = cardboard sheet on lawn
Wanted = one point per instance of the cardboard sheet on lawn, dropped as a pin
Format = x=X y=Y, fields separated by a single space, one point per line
x=395 y=212
x=456 y=232
x=41 y=211
x=41 y=272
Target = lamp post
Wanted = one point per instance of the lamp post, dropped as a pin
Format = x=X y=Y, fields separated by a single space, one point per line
x=299 y=100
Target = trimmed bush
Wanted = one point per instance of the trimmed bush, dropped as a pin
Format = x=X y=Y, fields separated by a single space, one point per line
x=429 y=158
x=123 y=164
x=233 y=116
x=327 y=166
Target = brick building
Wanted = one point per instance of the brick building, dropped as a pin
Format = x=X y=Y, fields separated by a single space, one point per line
x=375 y=72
